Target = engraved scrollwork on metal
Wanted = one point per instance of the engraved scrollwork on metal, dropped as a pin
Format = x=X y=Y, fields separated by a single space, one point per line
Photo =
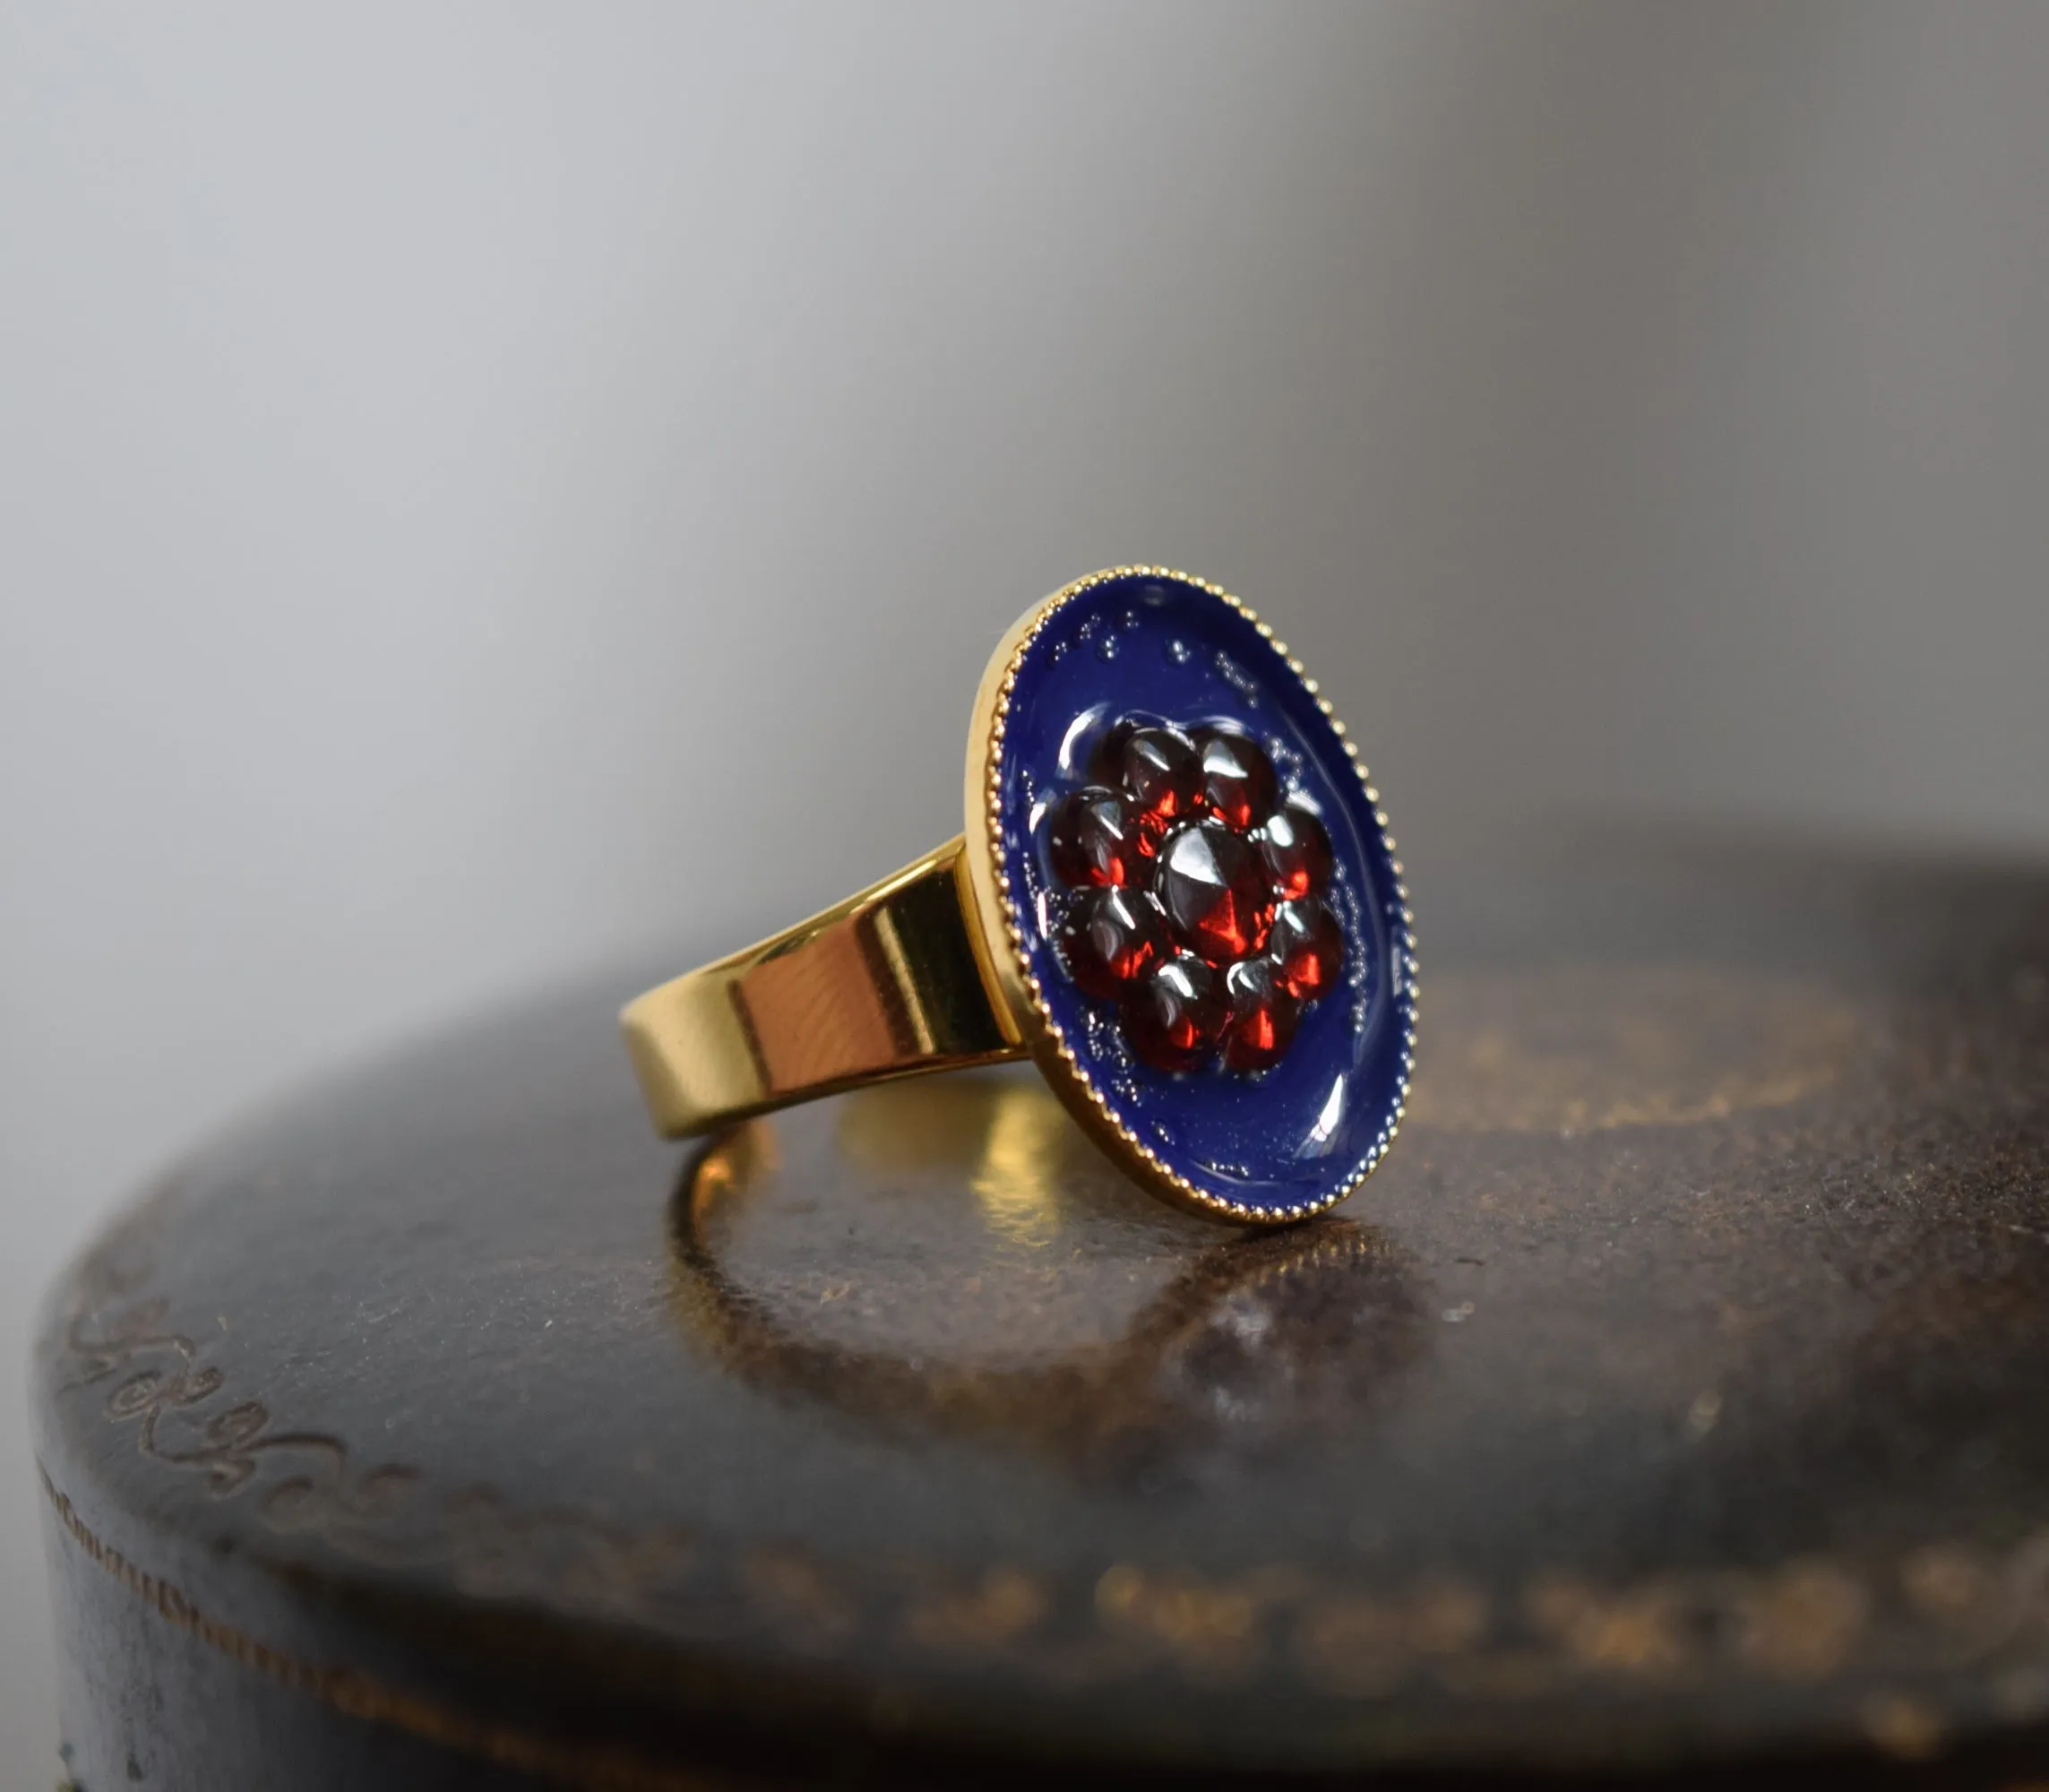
x=307 y=1484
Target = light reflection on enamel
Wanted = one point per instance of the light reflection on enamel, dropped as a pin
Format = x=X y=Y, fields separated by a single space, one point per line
x=1326 y=1126
x=1082 y=727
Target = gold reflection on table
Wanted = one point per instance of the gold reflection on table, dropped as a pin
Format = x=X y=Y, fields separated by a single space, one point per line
x=955 y=1254
x=1015 y=1145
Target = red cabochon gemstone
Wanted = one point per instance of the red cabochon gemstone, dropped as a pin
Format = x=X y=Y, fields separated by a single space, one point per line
x=1238 y=783
x=1173 y=1018
x=1111 y=940
x=1307 y=948
x=1106 y=760
x=1092 y=839
x=1296 y=850
x=1261 y=1024
x=1215 y=892
x=1162 y=775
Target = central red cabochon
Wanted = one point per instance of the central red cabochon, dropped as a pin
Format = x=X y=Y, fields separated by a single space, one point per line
x=1216 y=892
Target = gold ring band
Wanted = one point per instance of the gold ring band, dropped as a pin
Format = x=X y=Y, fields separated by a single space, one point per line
x=884 y=984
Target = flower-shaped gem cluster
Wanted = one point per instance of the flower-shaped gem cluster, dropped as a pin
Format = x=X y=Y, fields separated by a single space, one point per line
x=1199 y=908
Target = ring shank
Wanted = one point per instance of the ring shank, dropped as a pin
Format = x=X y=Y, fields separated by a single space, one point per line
x=885 y=983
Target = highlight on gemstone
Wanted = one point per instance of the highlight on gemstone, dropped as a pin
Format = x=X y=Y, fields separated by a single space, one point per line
x=1197 y=905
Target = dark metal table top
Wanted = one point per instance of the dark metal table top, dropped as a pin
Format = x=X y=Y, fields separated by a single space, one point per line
x=1676 y=1395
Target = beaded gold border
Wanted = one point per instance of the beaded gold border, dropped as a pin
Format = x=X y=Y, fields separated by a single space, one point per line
x=1000 y=933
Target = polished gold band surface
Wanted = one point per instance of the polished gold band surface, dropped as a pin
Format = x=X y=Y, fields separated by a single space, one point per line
x=885 y=983
x=907 y=976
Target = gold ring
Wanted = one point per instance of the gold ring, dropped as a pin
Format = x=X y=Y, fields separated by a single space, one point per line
x=1176 y=893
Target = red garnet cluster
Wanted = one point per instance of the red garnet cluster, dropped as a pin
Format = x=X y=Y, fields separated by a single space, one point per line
x=1200 y=909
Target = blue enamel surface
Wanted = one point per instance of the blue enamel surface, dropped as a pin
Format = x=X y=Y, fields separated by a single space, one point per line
x=1160 y=647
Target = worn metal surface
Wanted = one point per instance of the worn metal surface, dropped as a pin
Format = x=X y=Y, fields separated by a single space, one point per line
x=1676 y=1395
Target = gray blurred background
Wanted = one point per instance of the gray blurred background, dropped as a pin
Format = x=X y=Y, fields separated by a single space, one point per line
x=485 y=489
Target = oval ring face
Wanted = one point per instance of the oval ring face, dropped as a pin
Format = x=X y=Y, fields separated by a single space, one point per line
x=1208 y=942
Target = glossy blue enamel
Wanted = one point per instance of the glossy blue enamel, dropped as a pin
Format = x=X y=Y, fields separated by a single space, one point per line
x=1164 y=648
